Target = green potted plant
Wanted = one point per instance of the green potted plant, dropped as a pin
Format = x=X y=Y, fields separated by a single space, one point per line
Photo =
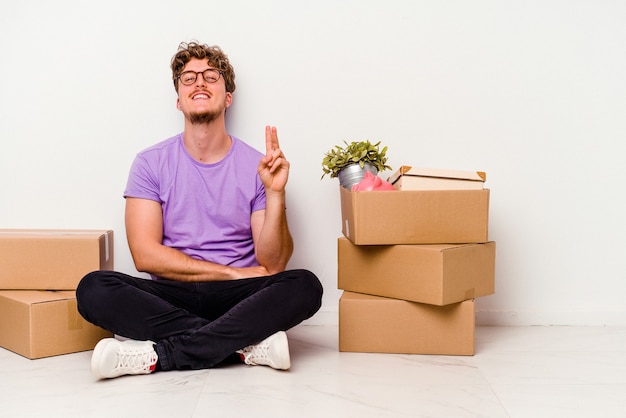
x=349 y=163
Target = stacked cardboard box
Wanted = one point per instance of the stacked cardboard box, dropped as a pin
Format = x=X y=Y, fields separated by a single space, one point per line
x=39 y=273
x=411 y=263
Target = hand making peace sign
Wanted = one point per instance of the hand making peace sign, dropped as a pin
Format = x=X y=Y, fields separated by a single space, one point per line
x=273 y=167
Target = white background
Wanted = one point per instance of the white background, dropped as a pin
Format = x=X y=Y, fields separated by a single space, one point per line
x=531 y=92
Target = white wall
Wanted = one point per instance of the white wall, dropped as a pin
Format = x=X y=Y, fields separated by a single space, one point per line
x=532 y=92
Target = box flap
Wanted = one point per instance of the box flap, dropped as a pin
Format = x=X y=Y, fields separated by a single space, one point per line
x=31 y=297
x=53 y=233
x=407 y=170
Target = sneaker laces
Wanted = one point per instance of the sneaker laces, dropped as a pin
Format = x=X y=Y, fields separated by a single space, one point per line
x=136 y=359
x=255 y=354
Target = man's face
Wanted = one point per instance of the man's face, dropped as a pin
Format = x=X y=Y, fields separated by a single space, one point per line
x=201 y=101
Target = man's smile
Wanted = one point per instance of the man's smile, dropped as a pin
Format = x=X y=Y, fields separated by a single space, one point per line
x=200 y=96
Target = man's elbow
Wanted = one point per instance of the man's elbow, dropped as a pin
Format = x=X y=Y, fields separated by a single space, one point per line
x=141 y=261
x=279 y=268
x=275 y=265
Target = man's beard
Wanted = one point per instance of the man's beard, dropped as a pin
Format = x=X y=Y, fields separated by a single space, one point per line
x=203 y=118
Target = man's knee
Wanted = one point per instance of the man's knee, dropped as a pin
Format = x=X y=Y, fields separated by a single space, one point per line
x=89 y=292
x=87 y=284
x=310 y=288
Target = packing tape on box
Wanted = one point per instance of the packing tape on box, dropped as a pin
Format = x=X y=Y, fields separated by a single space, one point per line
x=106 y=248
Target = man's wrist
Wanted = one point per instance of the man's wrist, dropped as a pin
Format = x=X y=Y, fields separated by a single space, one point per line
x=274 y=196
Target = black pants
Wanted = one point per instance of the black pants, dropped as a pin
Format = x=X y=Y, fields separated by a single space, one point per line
x=198 y=325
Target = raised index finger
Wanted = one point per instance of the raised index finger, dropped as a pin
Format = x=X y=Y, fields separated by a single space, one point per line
x=271 y=138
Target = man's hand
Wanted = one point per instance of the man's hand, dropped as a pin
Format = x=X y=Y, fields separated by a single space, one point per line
x=274 y=167
x=248 y=272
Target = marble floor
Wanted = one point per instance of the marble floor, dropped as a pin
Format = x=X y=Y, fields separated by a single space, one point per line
x=516 y=372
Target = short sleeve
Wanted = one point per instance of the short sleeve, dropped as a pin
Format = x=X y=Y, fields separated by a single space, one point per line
x=259 y=200
x=142 y=181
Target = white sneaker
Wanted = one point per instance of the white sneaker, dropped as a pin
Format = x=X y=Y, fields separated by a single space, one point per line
x=113 y=358
x=272 y=351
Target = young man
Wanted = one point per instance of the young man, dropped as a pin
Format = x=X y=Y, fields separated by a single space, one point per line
x=205 y=217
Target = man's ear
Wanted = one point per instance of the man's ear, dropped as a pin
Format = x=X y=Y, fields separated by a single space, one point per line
x=177 y=103
x=229 y=99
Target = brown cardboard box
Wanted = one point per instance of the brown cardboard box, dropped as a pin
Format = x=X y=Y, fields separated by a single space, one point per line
x=416 y=178
x=438 y=274
x=415 y=216
x=37 y=324
x=373 y=324
x=42 y=259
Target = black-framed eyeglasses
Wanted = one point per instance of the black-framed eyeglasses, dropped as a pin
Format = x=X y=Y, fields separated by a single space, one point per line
x=210 y=75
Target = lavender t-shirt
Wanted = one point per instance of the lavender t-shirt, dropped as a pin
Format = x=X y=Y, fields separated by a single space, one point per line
x=206 y=207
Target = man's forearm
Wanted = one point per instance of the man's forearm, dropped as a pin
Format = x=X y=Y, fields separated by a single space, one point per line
x=169 y=263
x=275 y=245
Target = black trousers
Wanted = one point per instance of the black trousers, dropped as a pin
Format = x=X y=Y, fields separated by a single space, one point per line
x=198 y=325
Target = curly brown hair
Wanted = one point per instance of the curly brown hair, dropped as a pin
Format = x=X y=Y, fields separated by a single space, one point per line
x=214 y=55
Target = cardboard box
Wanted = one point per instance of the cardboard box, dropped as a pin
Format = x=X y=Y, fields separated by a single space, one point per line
x=35 y=324
x=415 y=216
x=411 y=178
x=373 y=324
x=52 y=259
x=438 y=274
